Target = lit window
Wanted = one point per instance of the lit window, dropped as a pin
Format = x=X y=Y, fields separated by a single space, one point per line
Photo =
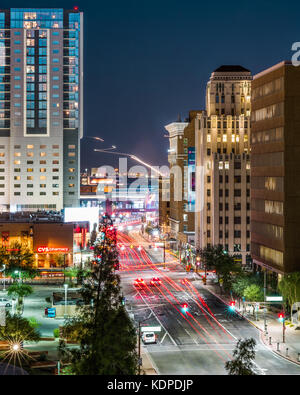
x=42 y=153
x=17 y=162
x=30 y=154
x=29 y=170
x=30 y=146
x=43 y=170
x=30 y=178
x=42 y=177
x=17 y=153
x=71 y=170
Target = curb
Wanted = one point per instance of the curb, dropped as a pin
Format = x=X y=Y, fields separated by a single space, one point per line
x=263 y=340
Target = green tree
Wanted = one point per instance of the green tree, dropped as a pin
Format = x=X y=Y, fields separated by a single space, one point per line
x=243 y=280
x=243 y=357
x=19 y=291
x=289 y=286
x=254 y=293
x=226 y=269
x=19 y=261
x=18 y=329
x=106 y=336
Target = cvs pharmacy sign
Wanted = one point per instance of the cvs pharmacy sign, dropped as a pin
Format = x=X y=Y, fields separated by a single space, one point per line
x=46 y=250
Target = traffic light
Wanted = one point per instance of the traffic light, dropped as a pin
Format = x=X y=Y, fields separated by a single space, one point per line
x=281 y=317
x=184 y=307
x=123 y=301
x=232 y=305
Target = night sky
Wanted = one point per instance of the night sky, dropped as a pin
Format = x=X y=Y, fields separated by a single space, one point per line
x=148 y=61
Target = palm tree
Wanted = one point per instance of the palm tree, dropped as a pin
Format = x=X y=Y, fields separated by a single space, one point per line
x=289 y=286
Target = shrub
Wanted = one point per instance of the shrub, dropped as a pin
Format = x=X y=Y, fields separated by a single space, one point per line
x=56 y=332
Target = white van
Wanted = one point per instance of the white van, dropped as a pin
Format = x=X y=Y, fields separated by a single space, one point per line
x=148 y=337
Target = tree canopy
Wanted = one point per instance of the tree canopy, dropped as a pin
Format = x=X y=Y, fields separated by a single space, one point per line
x=243 y=357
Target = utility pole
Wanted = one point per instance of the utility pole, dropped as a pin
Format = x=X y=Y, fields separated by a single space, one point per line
x=139 y=352
x=283 y=324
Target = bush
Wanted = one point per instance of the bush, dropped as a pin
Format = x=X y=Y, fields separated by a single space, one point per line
x=33 y=322
x=48 y=299
x=56 y=332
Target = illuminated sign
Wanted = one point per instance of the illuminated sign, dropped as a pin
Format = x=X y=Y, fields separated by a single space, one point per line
x=77 y=214
x=47 y=250
x=150 y=329
x=274 y=298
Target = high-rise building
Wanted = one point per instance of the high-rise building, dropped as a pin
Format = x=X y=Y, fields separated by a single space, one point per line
x=275 y=168
x=181 y=157
x=41 y=103
x=222 y=214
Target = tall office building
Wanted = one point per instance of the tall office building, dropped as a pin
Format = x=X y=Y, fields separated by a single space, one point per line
x=275 y=168
x=222 y=214
x=181 y=158
x=41 y=117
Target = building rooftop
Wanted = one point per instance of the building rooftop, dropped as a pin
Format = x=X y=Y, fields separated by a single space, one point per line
x=230 y=68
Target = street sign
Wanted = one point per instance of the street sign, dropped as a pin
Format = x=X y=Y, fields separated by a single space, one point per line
x=274 y=298
x=151 y=329
x=51 y=312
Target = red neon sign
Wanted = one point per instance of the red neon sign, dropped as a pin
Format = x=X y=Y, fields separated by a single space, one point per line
x=46 y=250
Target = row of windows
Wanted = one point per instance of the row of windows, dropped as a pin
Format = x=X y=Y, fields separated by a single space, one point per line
x=42 y=170
x=218 y=124
x=237 y=192
x=267 y=136
x=41 y=193
x=31 y=146
x=275 y=110
x=268 y=88
x=30 y=162
x=236 y=207
x=237 y=165
x=268 y=206
x=236 y=220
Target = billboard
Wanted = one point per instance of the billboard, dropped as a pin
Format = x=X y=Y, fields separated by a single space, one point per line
x=78 y=214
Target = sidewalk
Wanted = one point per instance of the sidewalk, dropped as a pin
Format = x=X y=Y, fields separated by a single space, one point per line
x=290 y=349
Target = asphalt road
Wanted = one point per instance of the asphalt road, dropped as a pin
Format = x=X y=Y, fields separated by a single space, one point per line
x=198 y=341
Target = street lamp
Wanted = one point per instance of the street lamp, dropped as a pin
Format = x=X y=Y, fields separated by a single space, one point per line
x=134 y=157
x=18 y=272
x=3 y=270
x=66 y=298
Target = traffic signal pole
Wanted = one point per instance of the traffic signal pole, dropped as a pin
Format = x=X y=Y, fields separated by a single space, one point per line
x=283 y=324
x=164 y=254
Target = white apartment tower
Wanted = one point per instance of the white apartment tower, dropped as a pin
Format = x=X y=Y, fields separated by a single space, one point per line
x=41 y=117
x=222 y=134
